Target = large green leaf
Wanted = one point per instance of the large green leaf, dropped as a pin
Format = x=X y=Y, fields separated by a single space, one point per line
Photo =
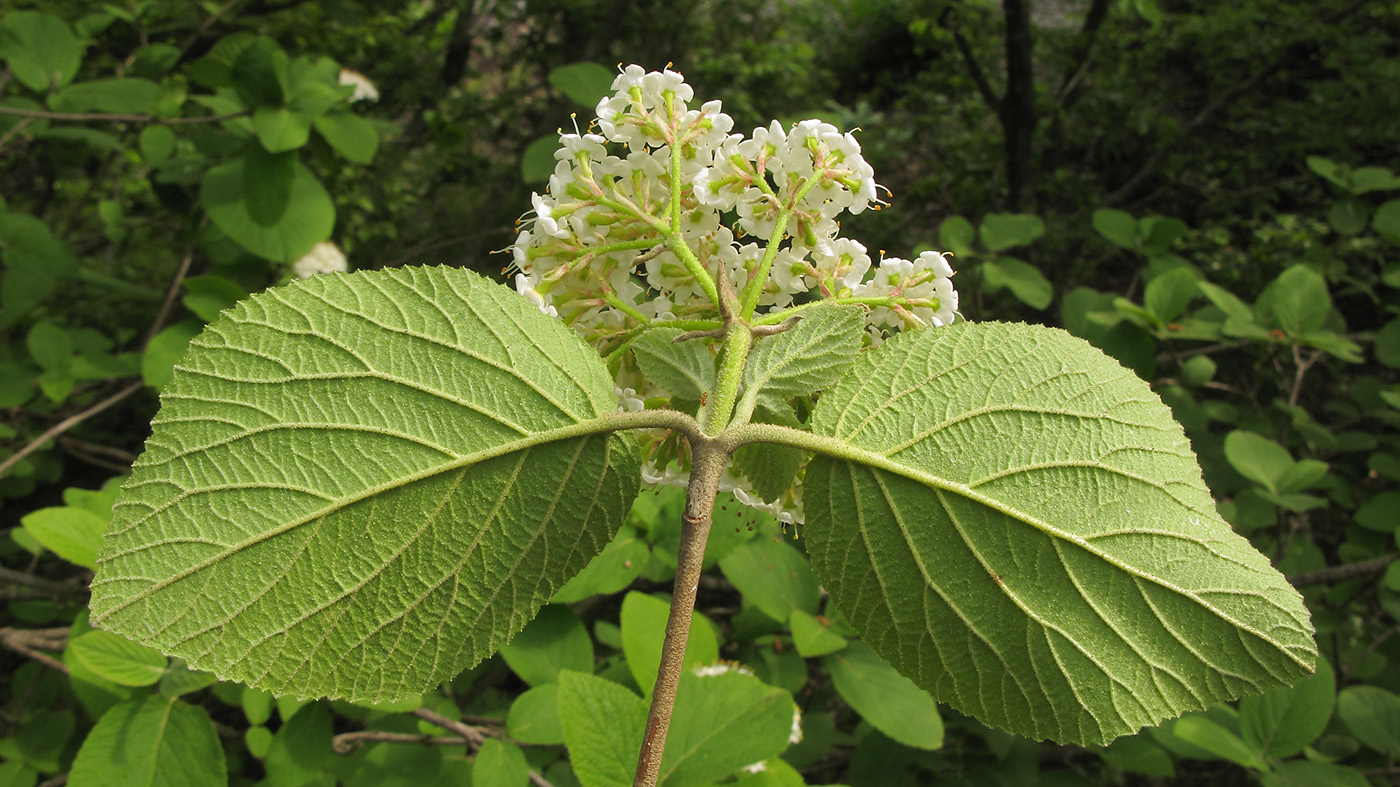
x=1014 y=521
x=155 y=742
x=809 y=356
x=360 y=484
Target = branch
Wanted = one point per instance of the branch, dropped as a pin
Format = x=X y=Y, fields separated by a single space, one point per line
x=1334 y=574
x=68 y=423
x=25 y=643
x=1221 y=101
x=474 y=736
x=46 y=586
x=83 y=117
x=1079 y=59
x=347 y=742
x=989 y=96
x=170 y=294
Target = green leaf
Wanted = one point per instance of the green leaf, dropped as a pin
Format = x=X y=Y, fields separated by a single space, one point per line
x=1388 y=344
x=1373 y=716
x=810 y=356
x=258 y=740
x=1206 y=734
x=811 y=637
x=301 y=748
x=349 y=135
x=350 y=493
x=643 y=630
x=537 y=162
x=42 y=51
x=1386 y=220
x=1138 y=754
x=1015 y=522
x=164 y=350
x=1002 y=231
x=151 y=743
x=956 y=234
x=885 y=698
x=1025 y=282
x=179 y=680
x=1378 y=512
x=1239 y=317
x=1303 y=474
x=686 y=369
x=555 y=640
x=603 y=727
x=534 y=717
x=260 y=73
x=500 y=764
x=774 y=577
x=127 y=95
x=281 y=129
x=50 y=346
x=1161 y=232
x=71 y=533
x=1257 y=458
x=241 y=197
x=771 y=468
x=1296 y=302
x=1347 y=216
x=98 y=140
x=1117 y=227
x=1302 y=773
x=583 y=83
x=1168 y=295
x=620 y=563
x=117 y=659
x=1368 y=179
x=1329 y=170
x=157 y=144
x=724 y=719
x=257 y=705
x=1282 y=722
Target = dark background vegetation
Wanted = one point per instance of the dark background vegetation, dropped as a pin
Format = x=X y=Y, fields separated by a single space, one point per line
x=1201 y=111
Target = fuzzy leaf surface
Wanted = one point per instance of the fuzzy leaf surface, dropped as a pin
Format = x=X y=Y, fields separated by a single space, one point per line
x=359 y=485
x=1015 y=522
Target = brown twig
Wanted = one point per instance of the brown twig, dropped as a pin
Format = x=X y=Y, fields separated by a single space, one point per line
x=1334 y=574
x=979 y=78
x=170 y=294
x=90 y=117
x=66 y=424
x=26 y=643
x=347 y=742
x=473 y=736
x=47 y=586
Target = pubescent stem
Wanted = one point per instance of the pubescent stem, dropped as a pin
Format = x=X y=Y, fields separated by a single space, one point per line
x=707 y=460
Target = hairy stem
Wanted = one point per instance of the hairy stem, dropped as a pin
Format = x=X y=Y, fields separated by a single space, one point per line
x=707 y=464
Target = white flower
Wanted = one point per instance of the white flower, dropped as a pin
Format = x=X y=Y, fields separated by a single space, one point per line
x=628 y=401
x=758 y=767
x=364 y=89
x=324 y=257
x=525 y=285
x=796 y=735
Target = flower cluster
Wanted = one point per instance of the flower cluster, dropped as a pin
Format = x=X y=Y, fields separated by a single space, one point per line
x=647 y=211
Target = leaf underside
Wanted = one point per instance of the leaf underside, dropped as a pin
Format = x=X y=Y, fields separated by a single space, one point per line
x=1022 y=529
x=358 y=485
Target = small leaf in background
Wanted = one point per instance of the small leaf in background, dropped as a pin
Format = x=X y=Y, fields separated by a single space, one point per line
x=39 y=740
x=724 y=719
x=1023 y=280
x=1160 y=233
x=1282 y=722
x=257 y=705
x=281 y=129
x=1139 y=754
x=1330 y=171
x=1168 y=295
x=774 y=577
x=775 y=773
x=260 y=73
x=811 y=637
x=50 y=346
x=885 y=698
x=1348 y=216
x=145 y=743
x=258 y=739
x=1002 y=231
x=239 y=198
x=603 y=728
x=349 y=135
x=956 y=234
x=534 y=717
x=500 y=764
x=41 y=50
x=1117 y=227
x=210 y=294
x=555 y=640
x=1257 y=458
x=583 y=83
x=125 y=96
x=165 y=350
x=301 y=748
x=810 y=356
x=179 y=679
x=1200 y=731
x=644 y=629
x=1388 y=344
x=1380 y=512
x=1302 y=773
x=1368 y=179
x=117 y=659
x=1386 y=220
x=620 y=563
x=1373 y=716
x=686 y=369
x=1297 y=301
x=537 y=162
x=1198 y=371
x=73 y=534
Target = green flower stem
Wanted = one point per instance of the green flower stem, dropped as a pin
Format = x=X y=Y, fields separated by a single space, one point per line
x=754 y=287
x=777 y=317
x=626 y=308
x=707 y=460
x=737 y=341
